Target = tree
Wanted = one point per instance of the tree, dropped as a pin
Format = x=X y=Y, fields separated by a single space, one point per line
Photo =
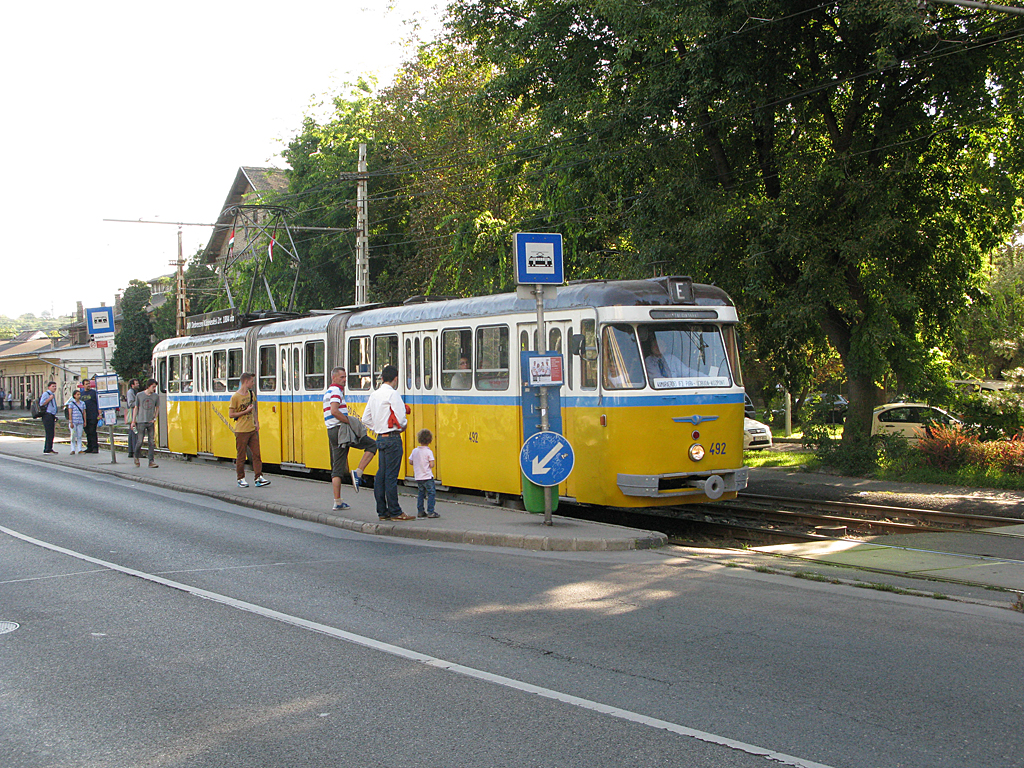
x=134 y=345
x=202 y=291
x=839 y=168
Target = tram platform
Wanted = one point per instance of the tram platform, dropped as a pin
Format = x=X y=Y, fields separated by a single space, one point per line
x=465 y=520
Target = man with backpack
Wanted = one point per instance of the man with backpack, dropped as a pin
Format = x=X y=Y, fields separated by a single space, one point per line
x=48 y=404
x=242 y=409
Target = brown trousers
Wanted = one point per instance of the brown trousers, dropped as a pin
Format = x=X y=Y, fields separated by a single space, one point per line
x=250 y=440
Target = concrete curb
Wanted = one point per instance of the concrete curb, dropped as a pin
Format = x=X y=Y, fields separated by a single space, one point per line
x=649 y=539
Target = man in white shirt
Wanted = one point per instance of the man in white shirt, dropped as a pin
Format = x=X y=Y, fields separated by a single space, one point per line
x=662 y=366
x=385 y=415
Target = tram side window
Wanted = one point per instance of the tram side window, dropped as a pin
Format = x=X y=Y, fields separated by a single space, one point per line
x=161 y=375
x=220 y=370
x=588 y=361
x=524 y=341
x=315 y=377
x=623 y=368
x=408 y=363
x=416 y=354
x=268 y=369
x=428 y=363
x=385 y=352
x=235 y=359
x=732 y=351
x=186 y=373
x=174 y=372
x=456 y=359
x=492 y=357
x=359 y=372
x=555 y=340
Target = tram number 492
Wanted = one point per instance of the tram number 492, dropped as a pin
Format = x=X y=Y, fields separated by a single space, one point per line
x=474 y=437
x=716 y=449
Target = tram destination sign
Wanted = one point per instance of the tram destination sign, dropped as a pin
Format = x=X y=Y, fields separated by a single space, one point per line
x=211 y=322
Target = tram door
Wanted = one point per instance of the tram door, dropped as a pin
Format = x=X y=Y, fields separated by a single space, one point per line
x=204 y=414
x=291 y=403
x=420 y=351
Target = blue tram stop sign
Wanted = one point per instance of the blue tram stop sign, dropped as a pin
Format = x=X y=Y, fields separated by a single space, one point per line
x=547 y=459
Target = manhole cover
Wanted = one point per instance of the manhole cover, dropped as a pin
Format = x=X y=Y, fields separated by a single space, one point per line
x=7 y=626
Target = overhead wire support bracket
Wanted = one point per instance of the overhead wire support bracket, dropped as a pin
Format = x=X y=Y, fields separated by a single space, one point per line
x=260 y=225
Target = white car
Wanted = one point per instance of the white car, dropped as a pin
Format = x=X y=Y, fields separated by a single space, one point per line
x=756 y=435
x=909 y=420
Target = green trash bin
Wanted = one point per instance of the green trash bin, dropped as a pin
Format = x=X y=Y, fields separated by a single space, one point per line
x=533 y=496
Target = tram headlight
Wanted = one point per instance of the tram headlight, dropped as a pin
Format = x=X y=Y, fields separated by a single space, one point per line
x=696 y=452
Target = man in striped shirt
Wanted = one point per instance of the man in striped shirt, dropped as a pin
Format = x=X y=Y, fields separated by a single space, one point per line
x=336 y=414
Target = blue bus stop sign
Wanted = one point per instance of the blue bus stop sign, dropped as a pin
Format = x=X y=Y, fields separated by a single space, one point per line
x=546 y=459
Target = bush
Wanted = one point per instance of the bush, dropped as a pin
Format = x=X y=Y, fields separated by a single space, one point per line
x=897 y=454
x=950 y=448
x=1006 y=455
x=860 y=458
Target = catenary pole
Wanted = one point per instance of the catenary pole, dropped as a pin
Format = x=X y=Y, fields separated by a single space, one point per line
x=362 y=233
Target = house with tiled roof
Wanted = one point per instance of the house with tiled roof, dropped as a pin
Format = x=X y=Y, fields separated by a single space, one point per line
x=251 y=186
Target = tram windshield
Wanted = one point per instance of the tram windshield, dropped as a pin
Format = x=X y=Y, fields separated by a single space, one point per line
x=668 y=355
x=681 y=355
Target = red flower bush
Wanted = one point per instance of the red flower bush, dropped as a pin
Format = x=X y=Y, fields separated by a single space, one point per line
x=950 y=448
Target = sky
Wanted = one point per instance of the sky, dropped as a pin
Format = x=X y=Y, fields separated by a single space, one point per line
x=146 y=111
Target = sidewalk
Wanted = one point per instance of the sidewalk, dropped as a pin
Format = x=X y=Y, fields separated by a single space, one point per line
x=461 y=522
x=992 y=558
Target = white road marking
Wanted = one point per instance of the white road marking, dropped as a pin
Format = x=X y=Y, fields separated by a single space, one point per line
x=432 y=661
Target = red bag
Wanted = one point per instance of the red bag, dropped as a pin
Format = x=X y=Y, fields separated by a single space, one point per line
x=393 y=422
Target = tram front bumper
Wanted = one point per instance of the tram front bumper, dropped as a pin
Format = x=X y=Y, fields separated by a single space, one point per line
x=684 y=483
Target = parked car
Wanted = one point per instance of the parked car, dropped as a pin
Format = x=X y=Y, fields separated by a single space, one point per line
x=829 y=408
x=909 y=420
x=748 y=407
x=756 y=436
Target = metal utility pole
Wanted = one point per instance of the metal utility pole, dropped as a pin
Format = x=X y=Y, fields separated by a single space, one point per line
x=545 y=424
x=362 y=233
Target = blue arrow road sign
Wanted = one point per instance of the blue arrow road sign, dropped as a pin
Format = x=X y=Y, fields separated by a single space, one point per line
x=546 y=459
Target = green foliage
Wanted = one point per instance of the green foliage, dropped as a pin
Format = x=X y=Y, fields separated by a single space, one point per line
x=202 y=289
x=846 y=457
x=991 y=339
x=994 y=415
x=839 y=169
x=12 y=326
x=134 y=346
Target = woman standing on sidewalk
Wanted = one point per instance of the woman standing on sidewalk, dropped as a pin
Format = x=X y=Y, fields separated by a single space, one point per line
x=76 y=420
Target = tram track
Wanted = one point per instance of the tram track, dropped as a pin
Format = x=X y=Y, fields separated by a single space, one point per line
x=761 y=519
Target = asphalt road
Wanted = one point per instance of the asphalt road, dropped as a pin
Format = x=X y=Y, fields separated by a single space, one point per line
x=160 y=629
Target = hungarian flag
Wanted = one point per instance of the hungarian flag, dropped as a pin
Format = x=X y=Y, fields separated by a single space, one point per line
x=270 y=249
x=231 y=243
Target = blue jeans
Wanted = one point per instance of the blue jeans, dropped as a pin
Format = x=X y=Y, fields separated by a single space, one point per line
x=385 y=484
x=426 y=488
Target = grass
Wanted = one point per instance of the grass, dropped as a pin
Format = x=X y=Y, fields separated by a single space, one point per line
x=778 y=458
x=969 y=477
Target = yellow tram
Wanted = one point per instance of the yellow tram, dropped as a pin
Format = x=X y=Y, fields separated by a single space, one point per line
x=652 y=402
